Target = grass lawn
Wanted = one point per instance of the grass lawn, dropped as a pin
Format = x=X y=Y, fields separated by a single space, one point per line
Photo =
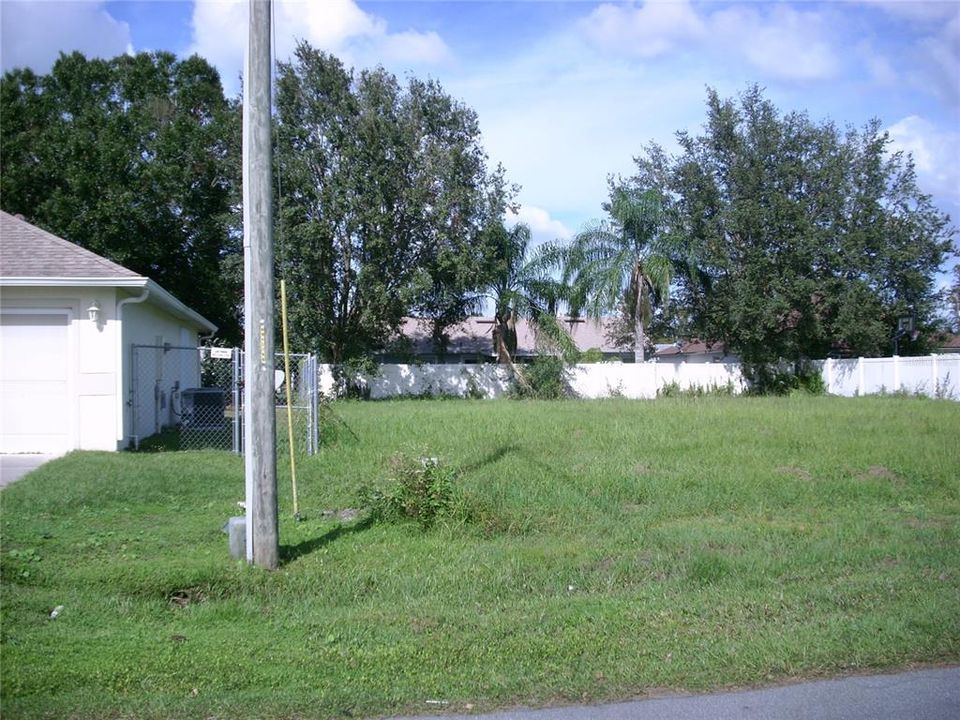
x=620 y=548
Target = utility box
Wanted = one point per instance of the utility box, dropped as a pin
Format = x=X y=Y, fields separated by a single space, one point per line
x=237 y=537
x=203 y=408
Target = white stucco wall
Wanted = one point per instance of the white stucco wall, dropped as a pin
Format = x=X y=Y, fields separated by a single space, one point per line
x=96 y=412
x=158 y=372
x=91 y=410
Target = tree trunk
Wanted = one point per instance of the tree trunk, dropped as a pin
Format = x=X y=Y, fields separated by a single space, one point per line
x=639 y=341
x=503 y=330
x=639 y=338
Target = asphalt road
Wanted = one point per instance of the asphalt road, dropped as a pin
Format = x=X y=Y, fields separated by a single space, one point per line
x=932 y=694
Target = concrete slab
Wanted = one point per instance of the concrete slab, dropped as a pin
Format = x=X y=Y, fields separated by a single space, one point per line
x=14 y=467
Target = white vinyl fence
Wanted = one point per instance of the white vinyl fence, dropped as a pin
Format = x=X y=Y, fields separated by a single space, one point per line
x=932 y=375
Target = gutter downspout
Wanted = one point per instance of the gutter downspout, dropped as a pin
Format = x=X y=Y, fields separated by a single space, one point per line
x=121 y=404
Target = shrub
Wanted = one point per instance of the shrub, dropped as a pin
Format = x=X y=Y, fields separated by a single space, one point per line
x=591 y=355
x=546 y=379
x=421 y=489
x=772 y=380
x=673 y=389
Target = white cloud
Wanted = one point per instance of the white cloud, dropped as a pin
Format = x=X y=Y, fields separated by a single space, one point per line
x=781 y=42
x=880 y=69
x=942 y=53
x=543 y=228
x=338 y=26
x=936 y=155
x=644 y=31
x=775 y=39
x=916 y=10
x=34 y=33
x=418 y=48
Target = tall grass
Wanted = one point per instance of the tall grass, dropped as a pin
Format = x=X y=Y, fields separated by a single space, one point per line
x=619 y=546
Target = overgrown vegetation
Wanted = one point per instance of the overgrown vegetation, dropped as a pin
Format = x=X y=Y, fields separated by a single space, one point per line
x=675 y=390
x=775 y=379
x=419 y=488
x=637 y=546
x=546 y=377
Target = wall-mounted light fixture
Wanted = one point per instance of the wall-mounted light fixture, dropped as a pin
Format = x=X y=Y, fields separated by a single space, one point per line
x=93 y=312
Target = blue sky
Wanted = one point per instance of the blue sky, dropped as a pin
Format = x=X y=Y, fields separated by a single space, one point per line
x=568 y=92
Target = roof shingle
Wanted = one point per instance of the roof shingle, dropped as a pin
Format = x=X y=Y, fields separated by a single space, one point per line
x=26 y=251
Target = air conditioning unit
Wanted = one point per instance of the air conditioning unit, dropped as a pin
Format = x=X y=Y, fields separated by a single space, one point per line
x=202 y=408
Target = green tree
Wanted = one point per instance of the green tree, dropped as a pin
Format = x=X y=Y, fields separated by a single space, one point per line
x=952 y=300
x=385 y=202
x=523 y=287
x=616 y=264
x=798 y=239
x=127 y=157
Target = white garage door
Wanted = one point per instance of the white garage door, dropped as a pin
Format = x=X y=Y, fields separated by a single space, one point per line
x=35 y=388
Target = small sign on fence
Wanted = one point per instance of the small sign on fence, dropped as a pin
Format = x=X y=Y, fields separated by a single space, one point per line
x=217 y=353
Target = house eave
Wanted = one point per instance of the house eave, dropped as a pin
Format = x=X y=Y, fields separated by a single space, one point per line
x=156 y=293
x=74 y=282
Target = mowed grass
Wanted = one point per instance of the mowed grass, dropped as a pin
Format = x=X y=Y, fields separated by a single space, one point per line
x=619 y=548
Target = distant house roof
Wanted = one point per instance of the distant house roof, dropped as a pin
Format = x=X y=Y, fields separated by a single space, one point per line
x=949 y=344
x=32 y=257
x=692 y=347
x=26 y=251
x=474 y=336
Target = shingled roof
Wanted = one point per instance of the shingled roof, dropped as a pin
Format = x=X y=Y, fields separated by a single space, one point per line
x=26 y=251
x=474 y=336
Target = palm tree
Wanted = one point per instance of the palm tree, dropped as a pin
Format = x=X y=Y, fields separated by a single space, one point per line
x=615 y=263
x=522 y=287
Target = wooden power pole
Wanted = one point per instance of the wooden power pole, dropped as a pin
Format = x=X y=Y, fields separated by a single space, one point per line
x=259 y=427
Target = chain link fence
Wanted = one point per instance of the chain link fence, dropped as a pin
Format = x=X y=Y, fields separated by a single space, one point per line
x=189 y=398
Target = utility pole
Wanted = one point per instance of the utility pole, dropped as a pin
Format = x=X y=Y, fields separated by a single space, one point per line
x=259 y=427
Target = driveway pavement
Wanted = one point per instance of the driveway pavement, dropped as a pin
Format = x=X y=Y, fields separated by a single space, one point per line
x=932 y=694
x=14 y=467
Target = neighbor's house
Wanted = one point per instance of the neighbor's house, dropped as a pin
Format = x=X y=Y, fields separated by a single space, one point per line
x=948 y=344
x=471 y=341
x=694 y=351
x=68 y=321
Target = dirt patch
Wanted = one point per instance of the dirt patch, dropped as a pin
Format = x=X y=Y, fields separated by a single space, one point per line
x=345 y=515
x=640 y=470
x=186 y=597
x=424 y=625
x=602 y=565
x=925 y=523
x=879 y=472
x=795 y=472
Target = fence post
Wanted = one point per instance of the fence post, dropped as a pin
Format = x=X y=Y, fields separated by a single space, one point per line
x=936 y=375
x=237 y=394
x=896 y=373
x=861 y=388
x=828 y=369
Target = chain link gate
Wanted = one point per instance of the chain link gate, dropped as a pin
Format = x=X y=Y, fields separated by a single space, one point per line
x=190 y=398
x=304 y=407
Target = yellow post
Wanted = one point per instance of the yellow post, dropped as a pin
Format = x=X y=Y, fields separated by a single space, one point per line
x=286 y=382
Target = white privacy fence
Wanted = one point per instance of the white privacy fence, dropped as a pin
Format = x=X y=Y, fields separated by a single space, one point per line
x=932 y=375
